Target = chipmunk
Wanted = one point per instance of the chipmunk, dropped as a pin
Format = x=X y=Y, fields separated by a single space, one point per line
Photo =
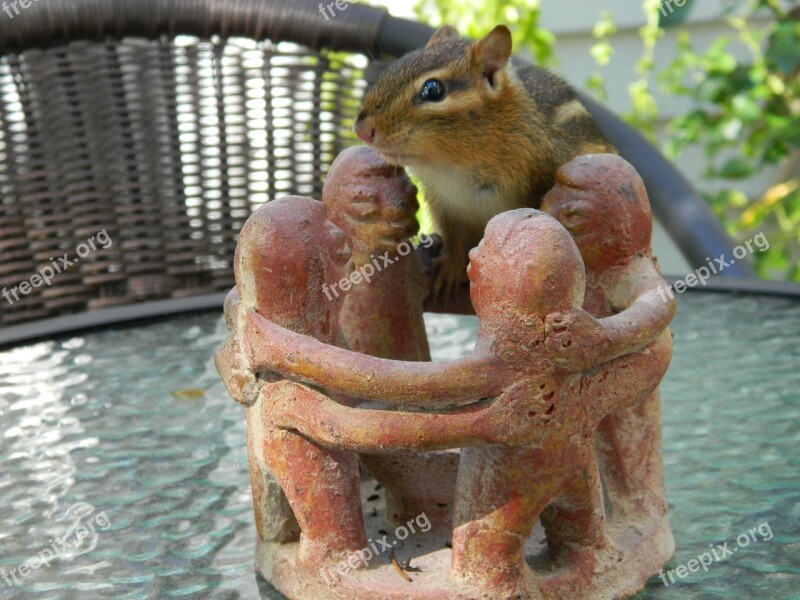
x=482 y=134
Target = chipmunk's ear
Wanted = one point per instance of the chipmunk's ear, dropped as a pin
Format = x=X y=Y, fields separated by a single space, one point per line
x=492 y=53
x=445 y=33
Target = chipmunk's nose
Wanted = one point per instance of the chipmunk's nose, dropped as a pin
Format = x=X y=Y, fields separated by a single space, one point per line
x=365 y=129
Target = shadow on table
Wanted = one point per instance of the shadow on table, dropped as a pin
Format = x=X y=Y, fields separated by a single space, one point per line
x=266 y=591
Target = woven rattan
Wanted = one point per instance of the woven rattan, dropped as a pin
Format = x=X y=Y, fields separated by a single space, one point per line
x=162 y=124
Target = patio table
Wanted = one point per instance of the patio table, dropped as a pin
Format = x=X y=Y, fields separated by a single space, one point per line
x=130 y=429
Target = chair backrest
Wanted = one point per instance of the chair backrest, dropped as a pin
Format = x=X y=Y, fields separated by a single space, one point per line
x=136 y=138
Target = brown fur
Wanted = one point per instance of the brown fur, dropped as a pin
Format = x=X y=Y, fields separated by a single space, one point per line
x=494 y=143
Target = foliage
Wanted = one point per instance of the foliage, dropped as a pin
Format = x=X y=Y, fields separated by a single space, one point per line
x=476 y=19
x=602 y=51
x=644 y=113
x=746 y=116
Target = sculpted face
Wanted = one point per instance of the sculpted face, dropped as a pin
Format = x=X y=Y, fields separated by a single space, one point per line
x=526 y=263
x=601 y=200
x=372 y=201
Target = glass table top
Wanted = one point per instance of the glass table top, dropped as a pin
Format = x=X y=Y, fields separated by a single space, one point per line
x=123 y=471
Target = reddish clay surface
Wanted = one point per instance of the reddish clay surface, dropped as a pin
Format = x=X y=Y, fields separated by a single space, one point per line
x=572 y=345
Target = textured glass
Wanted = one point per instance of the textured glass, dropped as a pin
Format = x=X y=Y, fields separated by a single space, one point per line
x=91 y=431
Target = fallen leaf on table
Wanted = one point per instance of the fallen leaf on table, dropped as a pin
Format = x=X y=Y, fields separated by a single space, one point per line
x=189 y=394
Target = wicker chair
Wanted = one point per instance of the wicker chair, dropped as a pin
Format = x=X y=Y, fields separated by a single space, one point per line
x=164 y=123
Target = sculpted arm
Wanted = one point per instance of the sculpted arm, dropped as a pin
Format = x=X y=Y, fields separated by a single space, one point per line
x=648 y=315
x=317 y=417
x=241 y=383
x=649 y=309
x=270 y=347
x=578 y=341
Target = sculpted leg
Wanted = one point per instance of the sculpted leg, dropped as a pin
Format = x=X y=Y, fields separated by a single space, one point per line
x=629 y=447
x=575 y=524
x=576 y=519
x=275 y=521
x=503 y=491
x=499 y=497
x=322 y=487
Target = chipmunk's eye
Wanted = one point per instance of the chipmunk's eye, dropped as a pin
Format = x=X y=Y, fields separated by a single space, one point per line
x=432 y=91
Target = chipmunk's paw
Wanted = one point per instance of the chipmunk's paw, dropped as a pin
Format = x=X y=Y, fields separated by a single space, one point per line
x=449 y=273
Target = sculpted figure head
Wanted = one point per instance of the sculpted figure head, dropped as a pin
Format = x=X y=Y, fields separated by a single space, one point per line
x=373 y=202
x=287 y=250
x=528 y=264
x=602 y=201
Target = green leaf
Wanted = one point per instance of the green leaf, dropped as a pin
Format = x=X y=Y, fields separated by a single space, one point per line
x=746 y=108
x=736 y=168
x=784 y=48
